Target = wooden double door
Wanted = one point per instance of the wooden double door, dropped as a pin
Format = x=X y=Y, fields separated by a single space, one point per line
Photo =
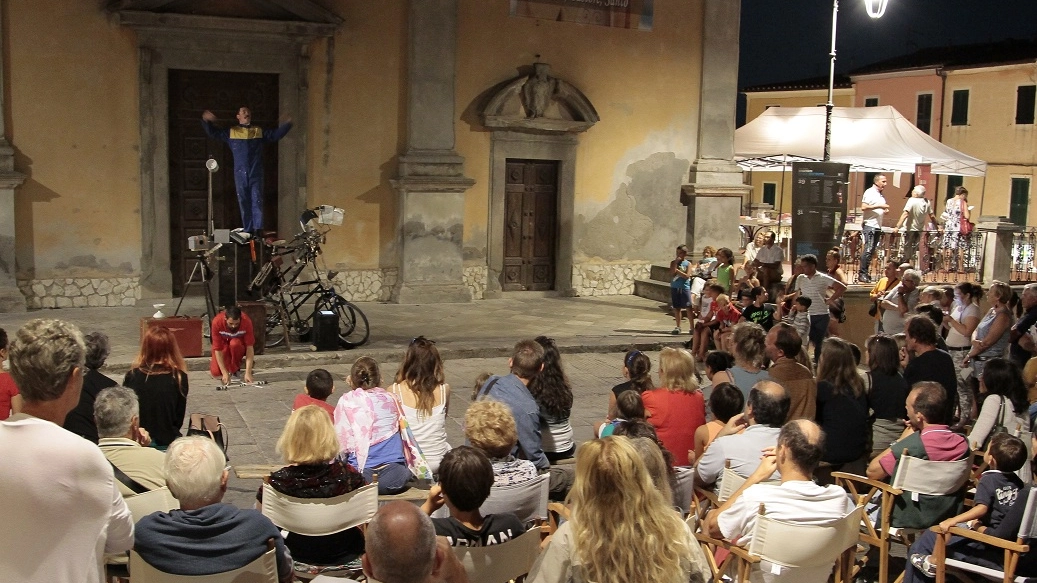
x=191 y=93
x=530 y=225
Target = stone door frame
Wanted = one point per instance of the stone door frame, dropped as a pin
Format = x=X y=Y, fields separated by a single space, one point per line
x=518 y=145
x=203 y=43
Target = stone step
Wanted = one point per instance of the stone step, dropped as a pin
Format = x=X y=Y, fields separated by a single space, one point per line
x=652 y=290
x=661 y=273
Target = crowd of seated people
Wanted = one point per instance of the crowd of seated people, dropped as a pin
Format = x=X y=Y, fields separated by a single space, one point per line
x=769 y=413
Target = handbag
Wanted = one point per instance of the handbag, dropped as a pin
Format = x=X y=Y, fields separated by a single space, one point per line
x=209 y=426
x=416 y=462
x=999 y=426
x=964 y=226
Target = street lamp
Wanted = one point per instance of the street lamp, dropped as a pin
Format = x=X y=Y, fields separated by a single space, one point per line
x=876 y=8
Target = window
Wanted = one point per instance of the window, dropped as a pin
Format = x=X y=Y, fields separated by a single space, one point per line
x=1020 y=201
x=1024 y=102
x=871 y=102
x=924 y=112
x=952 y=183
x=770 y=190
x=960 y=107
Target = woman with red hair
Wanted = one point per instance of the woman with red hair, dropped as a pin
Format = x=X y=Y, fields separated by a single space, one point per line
x=159 y=377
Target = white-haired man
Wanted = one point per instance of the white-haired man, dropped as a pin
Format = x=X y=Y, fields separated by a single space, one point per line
x=205 y=536
x=61 y=507
x=913 y=219
x=124 y=442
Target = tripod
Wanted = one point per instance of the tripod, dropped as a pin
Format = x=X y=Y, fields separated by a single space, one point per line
x=201 y=267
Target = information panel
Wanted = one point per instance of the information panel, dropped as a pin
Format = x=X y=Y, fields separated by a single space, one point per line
x=819 y=193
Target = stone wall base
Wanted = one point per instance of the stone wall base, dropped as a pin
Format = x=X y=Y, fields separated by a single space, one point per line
x=80 y=292
x=366 y=285
x=607 y=279
x=475 y=278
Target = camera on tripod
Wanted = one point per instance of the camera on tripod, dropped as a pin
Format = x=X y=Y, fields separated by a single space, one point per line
x=199 y=243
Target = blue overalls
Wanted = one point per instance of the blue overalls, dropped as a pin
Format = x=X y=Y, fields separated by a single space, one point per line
x=246 y=145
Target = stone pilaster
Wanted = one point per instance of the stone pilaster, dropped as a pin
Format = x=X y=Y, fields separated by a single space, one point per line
x=11 y=298
x=431 y=182
x=997 y=247
x=715 y=181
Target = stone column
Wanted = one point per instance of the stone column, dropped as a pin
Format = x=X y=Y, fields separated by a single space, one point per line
x=715 y=180
x=11 y=298
x=431 y=182
x=998 y=233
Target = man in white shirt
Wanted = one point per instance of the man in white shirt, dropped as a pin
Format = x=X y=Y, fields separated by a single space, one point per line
x=765 y=411
x=913 y=219
x=61 y=507
x=815 y=286
x=873 y=207
x=797 y=499
x=768 y=260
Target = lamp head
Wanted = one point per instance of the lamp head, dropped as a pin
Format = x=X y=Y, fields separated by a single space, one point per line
x=211 y=165
x=876 y=8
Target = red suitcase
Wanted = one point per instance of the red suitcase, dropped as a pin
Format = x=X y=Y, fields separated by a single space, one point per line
x=186 y=329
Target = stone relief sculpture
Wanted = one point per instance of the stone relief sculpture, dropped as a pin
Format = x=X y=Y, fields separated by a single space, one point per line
x=539 y=90
x=539 y=102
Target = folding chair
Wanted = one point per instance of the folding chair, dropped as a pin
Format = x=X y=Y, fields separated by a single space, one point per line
x=261 y=570
x=818 y=548
x=913 y=477
x=527 y=501
x=1013 y=550
x=503 y=562
x=685 y=488
x=320 y=517
x=140 y=505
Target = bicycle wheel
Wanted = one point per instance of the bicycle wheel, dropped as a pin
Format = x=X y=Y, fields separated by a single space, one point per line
x=274 y=326
x=353 y=329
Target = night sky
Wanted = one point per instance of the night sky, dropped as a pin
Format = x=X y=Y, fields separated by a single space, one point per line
x=785 y=40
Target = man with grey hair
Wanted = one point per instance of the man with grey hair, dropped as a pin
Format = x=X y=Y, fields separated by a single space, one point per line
x=124 y=442
x=60 y=503
x=913 y=219
x=402 y=547
x=900 y=301
x=205 y=536
x=1022 y=347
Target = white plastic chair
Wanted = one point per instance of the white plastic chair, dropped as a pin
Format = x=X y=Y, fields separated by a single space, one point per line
x=503 y=562
x=159 y=500
x=527 y=501
x=261 y=570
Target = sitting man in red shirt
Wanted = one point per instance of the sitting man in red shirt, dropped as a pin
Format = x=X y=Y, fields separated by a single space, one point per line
x=232 y=340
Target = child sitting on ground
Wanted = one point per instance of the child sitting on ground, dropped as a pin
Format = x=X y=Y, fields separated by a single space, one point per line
x=703 y=330
x=319 y=386
x=465 y=479
x=1000 y=497
x=629 y=406
x=727 y=316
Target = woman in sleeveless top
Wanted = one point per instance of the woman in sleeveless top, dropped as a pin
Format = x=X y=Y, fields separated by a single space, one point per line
x=554 y=395
x=1004 y=405
x=954 y=243
x=887 y=392
x=425 y=398
x=748 y=339
x=964 y=318
x=990 y=339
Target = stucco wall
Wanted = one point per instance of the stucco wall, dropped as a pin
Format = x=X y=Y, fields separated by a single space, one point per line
x=992 y=135
x=631 y=164
x=71 y=78
x=902 y=91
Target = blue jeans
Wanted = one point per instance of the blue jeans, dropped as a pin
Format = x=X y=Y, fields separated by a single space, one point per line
x=392 y=478
x=818 y=332
x=870 y=239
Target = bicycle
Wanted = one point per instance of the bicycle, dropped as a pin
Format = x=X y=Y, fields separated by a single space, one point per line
x=288 y=294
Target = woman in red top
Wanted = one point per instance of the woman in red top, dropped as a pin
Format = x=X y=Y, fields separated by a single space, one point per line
x=677 y=409
x=10 y=400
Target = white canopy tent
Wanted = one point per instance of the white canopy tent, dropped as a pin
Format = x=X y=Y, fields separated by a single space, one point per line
x=870 y=139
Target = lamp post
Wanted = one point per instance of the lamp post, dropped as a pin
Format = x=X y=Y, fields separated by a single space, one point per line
x=876 y=8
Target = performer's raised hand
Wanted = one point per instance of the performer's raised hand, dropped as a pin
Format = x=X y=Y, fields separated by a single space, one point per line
x=208 y=116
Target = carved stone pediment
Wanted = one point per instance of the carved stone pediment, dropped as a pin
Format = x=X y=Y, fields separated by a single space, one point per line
x=303 y=19
x=540 y=102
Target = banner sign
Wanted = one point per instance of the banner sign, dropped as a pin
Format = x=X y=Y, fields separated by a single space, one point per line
x=636 y=14
x=818 y=208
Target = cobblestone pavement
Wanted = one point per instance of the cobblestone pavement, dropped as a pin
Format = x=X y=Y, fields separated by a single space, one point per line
x=255 y=416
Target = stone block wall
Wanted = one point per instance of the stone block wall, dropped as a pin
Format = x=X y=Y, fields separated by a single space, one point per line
x=80 y=292
x=607 y=279
x=366 y=285
x=475 y=278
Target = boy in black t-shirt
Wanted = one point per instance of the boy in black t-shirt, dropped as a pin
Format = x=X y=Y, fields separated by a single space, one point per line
x=465 y=479
x=1000 y=497
x=756 y=311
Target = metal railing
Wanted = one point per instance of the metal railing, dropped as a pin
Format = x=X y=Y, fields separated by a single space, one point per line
x=937 y=259
x=1024 y=244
